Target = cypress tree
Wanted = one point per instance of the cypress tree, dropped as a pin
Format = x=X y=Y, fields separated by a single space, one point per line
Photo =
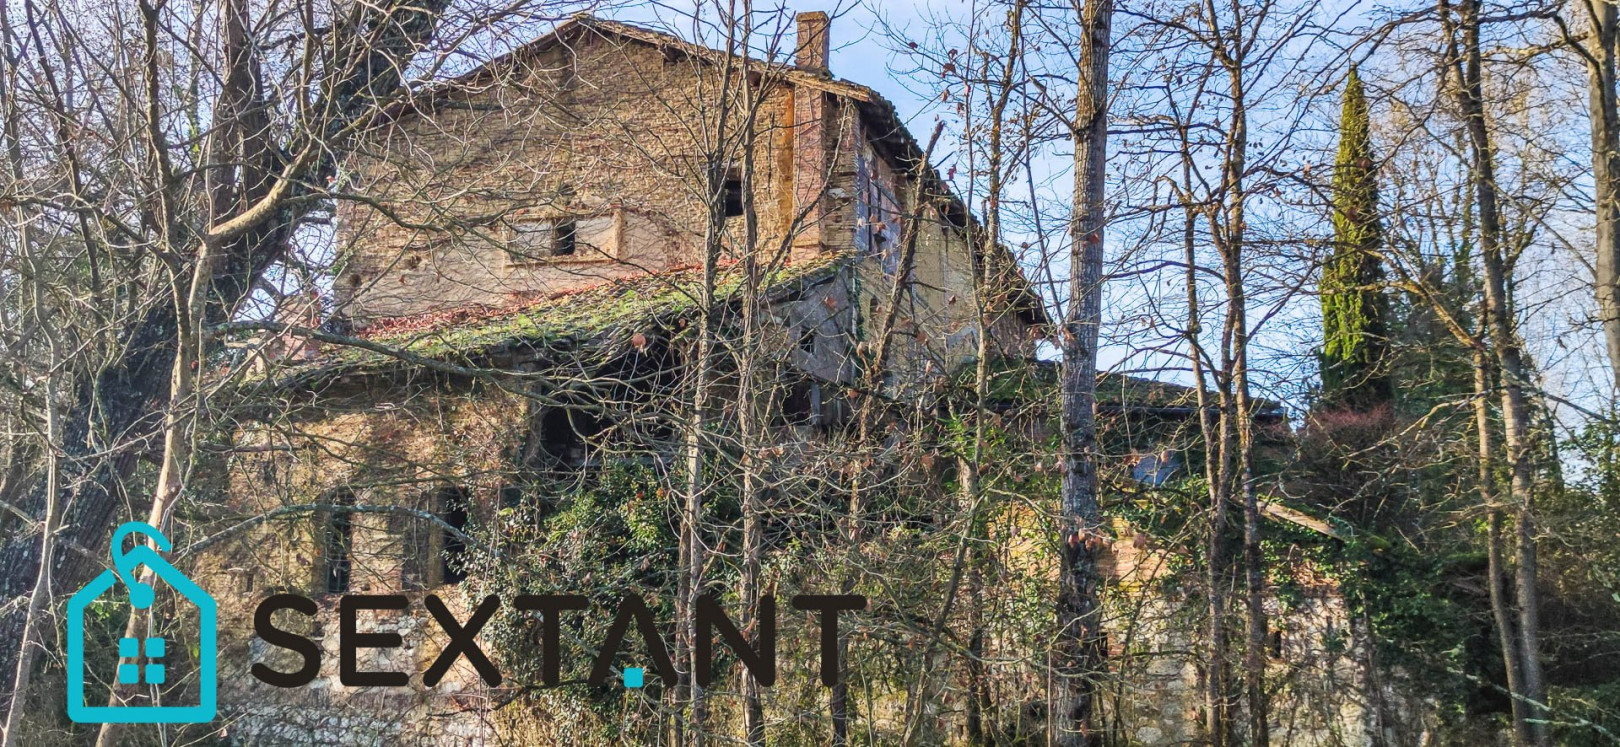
x=1355 y=310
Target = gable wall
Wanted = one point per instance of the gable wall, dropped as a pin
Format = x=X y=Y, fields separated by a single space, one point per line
x=607 y=131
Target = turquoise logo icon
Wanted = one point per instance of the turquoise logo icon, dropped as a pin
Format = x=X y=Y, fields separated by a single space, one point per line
x=129 y=668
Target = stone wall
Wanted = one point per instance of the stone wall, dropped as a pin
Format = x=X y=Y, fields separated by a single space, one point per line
x=1325 y=688
x=393 y=446
x=398 y=448
x=594 y=126
x=605 y=131
x=598 y=127
x=599 y=130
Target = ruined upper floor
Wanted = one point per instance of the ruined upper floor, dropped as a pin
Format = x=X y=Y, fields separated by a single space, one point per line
x=590 y=155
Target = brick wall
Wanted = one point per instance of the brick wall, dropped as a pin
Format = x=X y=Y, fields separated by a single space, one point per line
x=608 y=132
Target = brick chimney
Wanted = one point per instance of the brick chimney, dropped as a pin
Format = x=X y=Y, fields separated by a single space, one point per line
x=813 y=44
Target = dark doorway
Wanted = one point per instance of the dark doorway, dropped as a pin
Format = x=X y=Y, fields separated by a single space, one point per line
x=338 y=547
x=453 y=507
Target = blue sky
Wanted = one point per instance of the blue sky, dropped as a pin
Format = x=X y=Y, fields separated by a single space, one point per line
x=860 y=51
x=863 y=52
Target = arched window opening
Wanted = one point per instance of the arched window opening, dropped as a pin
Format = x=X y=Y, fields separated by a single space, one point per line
x=453 y=505
x=338 y=549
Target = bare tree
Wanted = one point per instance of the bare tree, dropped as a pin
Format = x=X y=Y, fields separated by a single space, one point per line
x=1080 y=653
x=1596 y=48
x=271 y=179
x=1463 y=25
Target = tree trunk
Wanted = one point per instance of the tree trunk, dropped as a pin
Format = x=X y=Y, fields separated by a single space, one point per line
x=692 y=550
x=1599 y=56
x=117 y=405
x=750 y=417
x=1501 y=607
x=984 y=294
x=177 y=434
x=38 y=600
x=1217 y=698
x=1079 y=647
x=1241 y=410
x=1509 y=361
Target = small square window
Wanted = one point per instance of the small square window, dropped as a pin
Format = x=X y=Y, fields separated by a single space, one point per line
x=129 y=648
x=538 y=239
x=129 y=674
x=155 y=674
x=564 y=239
x=154 y=648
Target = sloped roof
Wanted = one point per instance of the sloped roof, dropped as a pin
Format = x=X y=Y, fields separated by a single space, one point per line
x=1037 y=381
x=879 y=114
x=605 y=318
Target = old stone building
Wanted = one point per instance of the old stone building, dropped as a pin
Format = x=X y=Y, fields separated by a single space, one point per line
x=520 y=281
x=519 y=275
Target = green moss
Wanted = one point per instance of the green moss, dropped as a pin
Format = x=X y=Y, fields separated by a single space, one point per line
x=601 y=315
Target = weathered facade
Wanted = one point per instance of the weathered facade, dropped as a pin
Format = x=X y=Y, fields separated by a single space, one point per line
x=526 y=249
x=521 y=273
